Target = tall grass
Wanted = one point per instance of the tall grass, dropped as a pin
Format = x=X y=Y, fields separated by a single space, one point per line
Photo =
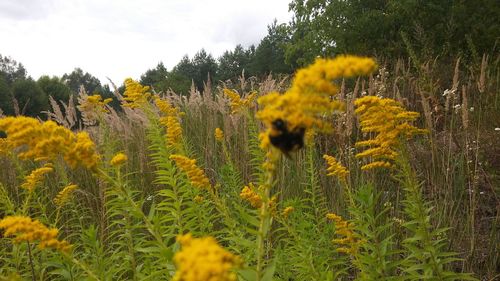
x=435 y=217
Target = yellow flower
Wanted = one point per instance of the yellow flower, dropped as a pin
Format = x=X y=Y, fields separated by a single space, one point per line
x=198 y=199
x=305 y=104
x=119 y=159
x=94 y=103
x=202 y=259
x=333 y=217
x=335 y=168
x=26 y=229
x=194 y=173
x=287 y=211
x=170 y=121
x=174 y=130
x=65 y=195
x=237 y=103
x=135 y=94
x=249 y=194
x=347 y=242
x=36 y=177
x=389 y=121
x=47 y=141
x=82 y=152
x=166 y=108
x=219 y=135
x=4 y=146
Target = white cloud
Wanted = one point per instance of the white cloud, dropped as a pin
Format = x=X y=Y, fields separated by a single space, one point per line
x=122 y=38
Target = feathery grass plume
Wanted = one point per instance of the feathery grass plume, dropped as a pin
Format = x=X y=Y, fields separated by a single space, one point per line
x=118 y=160
x=194 y=173
x=249 y=194
x=26 y=229
x=202 y=259
x=48 y=140
x=287 y=211
x=219 y=134
x=64 y=195
x=389 y=121
x=309 y=98
x=237 y=103
x=135 y=94
x=36 y=177
x=344 y=229
x=335 y=168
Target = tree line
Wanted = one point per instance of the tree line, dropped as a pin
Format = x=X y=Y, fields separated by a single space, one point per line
x=422 y=30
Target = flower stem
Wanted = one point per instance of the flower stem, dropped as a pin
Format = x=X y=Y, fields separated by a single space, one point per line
x=265 y=215
x=31 y=262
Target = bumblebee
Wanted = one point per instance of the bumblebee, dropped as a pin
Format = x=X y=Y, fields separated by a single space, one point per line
x=284 y=139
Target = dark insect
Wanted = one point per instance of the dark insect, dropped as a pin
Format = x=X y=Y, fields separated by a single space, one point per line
x=286 y=140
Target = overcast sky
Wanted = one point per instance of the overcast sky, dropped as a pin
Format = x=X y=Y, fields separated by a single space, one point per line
x=124 y=38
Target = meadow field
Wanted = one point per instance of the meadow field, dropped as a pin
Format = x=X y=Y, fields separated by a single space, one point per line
x=350 y=169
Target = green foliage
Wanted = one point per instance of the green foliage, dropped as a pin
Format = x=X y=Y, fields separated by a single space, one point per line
x=176 y=212
x=155 y=78
x=199 y=68
x=426 y=251
x=305 y=250
x=124 y=226
x=233 y=63
x=436 y=28
x=377 y=257
x=270 y=53
x=78 y=78
x=54 y=87
x=30 y=98
x=11 y=69
x=5 y=97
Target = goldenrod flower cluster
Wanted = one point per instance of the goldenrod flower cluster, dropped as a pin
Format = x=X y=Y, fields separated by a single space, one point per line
x=166 y=108
x=47 y=141
x=82 y=152
x=36 y=177
x=170 y=121
x=348 y=242
x=309 y=98
x=219 y=135
x=198 y=199
x=174 y=130
x=237 y=103
x=335 y=168
x=249 y=194
x=64 y=195
x=272 y=155
x=26 y=229
x=94 y=104
x=194 y=173
x=119 y=159
x=135 y=94
x=287 y=211
x=4 y=146
x=202 y=259
x=389 y=121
